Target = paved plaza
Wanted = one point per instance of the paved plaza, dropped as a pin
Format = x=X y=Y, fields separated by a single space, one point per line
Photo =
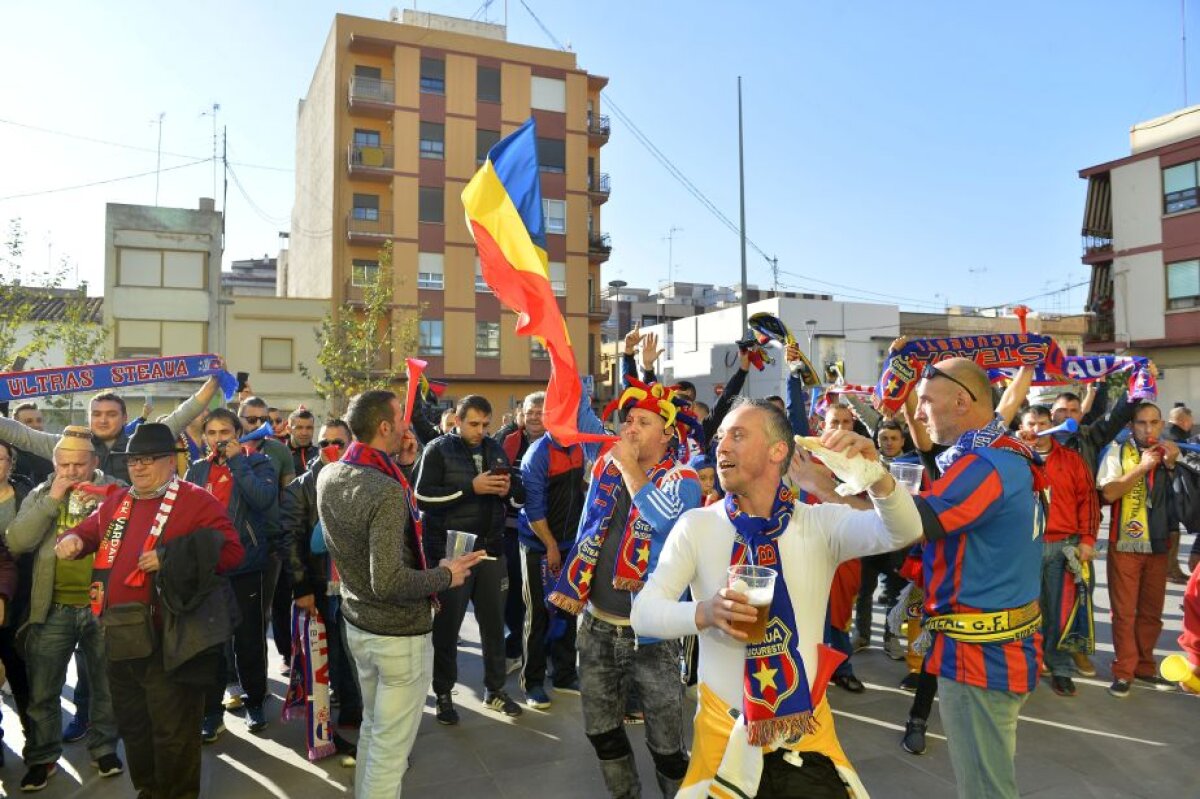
x=1091 y=745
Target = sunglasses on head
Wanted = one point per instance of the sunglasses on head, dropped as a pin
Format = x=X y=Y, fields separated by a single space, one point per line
x=932 y=371
x=331 y=442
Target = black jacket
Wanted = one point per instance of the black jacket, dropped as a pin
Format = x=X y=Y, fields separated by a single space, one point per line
x=448 y=502
x=198 y=607
x=298 y=517
x=1092 y=438
x=253 y=506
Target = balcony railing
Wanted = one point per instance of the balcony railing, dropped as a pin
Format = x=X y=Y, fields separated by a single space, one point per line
x=599 y=186
x=372 y=95
x=598 y=308
x=599 y=246
x=370 y=161
x=1093 y=245
x=599 y=127
x=361 y=226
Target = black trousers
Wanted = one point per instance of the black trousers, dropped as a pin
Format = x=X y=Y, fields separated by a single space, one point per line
x=514 y=605
x=249 y=646
x=486 y=590
x=159 y=720
x=872 y=567
x=18 y=678
x=537 y=623
x=816 y=779
x=281 y=615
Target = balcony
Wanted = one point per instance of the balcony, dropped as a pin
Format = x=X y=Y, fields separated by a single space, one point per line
x=598 y=129
x=598 y=309
x=370 y=163
x=1097 y=248
x=599 y=247
x=373 y=230
x=372 y=97
x=599 y=187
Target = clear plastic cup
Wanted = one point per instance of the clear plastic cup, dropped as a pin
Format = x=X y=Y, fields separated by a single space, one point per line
x=758 y=584
x=907 y=475
x=459 y=543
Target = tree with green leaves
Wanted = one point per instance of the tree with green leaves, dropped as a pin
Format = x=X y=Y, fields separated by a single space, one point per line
x=20 y=336
x=363 y=343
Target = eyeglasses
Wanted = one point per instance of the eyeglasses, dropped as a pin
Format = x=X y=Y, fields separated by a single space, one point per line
x=145 y=460
x=254 y=419
x=932 y=371
x=331 y=442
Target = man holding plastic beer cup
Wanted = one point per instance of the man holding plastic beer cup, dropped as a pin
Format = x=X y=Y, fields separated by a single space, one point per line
x=764 y=727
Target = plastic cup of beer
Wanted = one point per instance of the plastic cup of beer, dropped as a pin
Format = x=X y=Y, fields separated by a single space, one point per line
x=907 y=475
x=459 y=543
x=757 y=583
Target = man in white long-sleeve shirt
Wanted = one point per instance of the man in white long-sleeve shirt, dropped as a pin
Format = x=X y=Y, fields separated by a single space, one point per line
x=761 y=703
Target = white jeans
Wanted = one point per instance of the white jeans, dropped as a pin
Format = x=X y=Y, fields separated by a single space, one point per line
x=394 y=672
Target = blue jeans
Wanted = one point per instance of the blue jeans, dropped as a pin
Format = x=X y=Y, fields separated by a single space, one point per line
x=394 y=672
x=1054 y=566
x=48 y=651
x=981 y=734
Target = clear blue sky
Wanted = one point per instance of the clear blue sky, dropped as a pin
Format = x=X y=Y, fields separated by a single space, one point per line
x=919 y=150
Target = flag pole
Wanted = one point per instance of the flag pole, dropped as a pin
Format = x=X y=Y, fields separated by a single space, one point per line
x=742 y=202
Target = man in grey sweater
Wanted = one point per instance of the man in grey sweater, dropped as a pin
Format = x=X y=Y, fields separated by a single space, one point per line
x=374 y=537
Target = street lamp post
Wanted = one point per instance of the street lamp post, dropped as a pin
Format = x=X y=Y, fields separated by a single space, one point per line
x=811 y=327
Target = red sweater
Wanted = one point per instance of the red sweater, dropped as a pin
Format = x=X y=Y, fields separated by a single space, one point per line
x=1074 y=503
x=194 y=509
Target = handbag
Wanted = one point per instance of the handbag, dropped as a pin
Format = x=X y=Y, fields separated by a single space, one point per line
x=129 y=631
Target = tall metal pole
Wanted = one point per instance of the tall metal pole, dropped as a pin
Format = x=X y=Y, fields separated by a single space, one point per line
x=158 y=158
x=742 y=203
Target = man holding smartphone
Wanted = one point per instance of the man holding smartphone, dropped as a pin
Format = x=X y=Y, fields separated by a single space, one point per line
x=465 y=484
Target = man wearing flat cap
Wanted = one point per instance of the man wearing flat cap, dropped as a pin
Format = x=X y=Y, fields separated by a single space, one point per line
x=59 y=614
x=158 y=712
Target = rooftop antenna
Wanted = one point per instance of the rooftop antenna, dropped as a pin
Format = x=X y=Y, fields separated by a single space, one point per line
x=158 y=159
x=1183 y=44
x=670 y=237
x=213 y=113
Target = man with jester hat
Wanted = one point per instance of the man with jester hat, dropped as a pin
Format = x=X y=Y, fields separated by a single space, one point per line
x=638 y=489
x=764 y=727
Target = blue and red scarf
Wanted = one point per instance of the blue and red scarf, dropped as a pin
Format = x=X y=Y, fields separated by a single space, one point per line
x=308 y=687
x=776 y=699
x=633 y=561
x=360 y=454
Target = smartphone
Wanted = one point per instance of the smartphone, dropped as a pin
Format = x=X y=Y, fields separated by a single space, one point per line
x=499 y=470
x=243 y=378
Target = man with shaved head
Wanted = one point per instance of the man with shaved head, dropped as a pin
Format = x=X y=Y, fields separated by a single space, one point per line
x=983 y=520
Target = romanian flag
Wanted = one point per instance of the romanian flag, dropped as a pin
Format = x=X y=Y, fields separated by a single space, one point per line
x=503 y=203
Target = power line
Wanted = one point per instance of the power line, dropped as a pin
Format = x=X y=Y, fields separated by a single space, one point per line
x=102 y=182
x=274 y=220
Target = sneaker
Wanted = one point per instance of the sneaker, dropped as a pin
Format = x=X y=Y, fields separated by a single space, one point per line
x=1063 y=686
x=285 y=669
x=234 y=699
x=256 y=719
x=213 y=726
x=512 y=664
x=635 y=717
x=1083 y=664
x=76 y=730
x=913 y=741
x=446 y=714
x=501 y=703
x=35 y=779
x=570 y=688
x=861 y=643
x=109 y=765
x=850 y=683
x=910 y=682
x=895 y=648
x=1045 y=670
x=536 y=698
x=1156 y=682
x=1119 y=688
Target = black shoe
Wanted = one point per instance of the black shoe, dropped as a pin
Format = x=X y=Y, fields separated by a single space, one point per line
x=914 y=736
x=109 y=765
x=850 y=683
x=1119 y=689
x=910 y=682
x=256 y=719
x=35 y=779
x=1063 y=686
x=502 y=703
x=1156 y=682
x=76 y=730
x=446 y=714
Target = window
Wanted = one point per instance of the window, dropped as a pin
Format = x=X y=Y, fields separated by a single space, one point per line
x=548 y=94
x=366 y=206
x=275 y=355
x=487 y=339
x=430 y=342
x=1183 y=285
x=552 y=155
x=487 y=84
x=433 y=76
x=433 y=140
x=430 y=271
x=1179 y=188
x=480 y=283
x=555 y=212
x=431 y=205
x=363 y=273
x=537 y=351
x=558 y=278
x=484 y=141
x=366 y=138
